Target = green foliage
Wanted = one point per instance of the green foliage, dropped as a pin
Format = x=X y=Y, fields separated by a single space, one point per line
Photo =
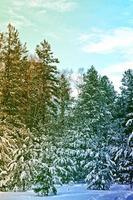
x=14 y=77
x=46 y=136
x=43 y=181
x=100 y=166
x=124 y=118
x=93 y=120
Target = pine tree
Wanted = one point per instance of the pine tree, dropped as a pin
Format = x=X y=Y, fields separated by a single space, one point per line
x=45 y=113
x=21 y=168
x=99 y=166
x=124 y=127
x=7 y=146
x=48 y=172
x=85 y=110
x=47 y=82
x=64 y=97
x=14 y=61
x=17 y=157
x=64 y=160
x=94 y=116
x=1 y=74
x=14 y=109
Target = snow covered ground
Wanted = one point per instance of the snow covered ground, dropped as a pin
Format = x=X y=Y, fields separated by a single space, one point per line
x=74 y=192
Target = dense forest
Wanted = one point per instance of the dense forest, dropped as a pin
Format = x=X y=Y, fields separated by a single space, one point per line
x=48 y=137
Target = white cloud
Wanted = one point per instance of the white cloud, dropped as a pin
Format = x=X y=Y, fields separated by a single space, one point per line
x=84 y=37
x=17 y=19
x=40 y=6
x=56 y=5
x=105 y=42
x=94 y=35
x=17 y=4
x=15 y=11
x=118 y=41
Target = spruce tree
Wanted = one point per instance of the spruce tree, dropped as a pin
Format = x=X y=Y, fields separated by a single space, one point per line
x=63 y=128
x=21 y=168
x=64 y=97
x=7 y=147
x=85 y=110
x=48 y=82
x=94 y=115
x=14 y=101
x=14 y=61
x=45 y=112
x=124 y=127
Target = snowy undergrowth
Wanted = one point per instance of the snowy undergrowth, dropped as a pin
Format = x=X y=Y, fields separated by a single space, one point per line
x=75 y=192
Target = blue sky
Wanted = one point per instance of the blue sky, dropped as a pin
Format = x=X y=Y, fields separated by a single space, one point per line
x=81 y=32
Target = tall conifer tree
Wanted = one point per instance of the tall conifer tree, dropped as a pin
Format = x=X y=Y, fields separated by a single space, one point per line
x=14 y=60
x=124 y=128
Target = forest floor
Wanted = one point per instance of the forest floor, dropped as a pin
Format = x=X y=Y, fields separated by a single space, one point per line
x=74 y=192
